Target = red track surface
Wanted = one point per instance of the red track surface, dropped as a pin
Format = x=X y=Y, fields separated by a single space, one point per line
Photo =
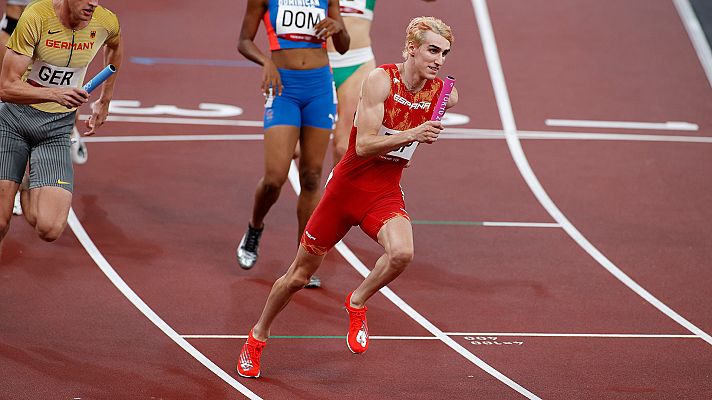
x=168 y=215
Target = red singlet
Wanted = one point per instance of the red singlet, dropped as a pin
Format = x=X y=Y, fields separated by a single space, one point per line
x=366 y=191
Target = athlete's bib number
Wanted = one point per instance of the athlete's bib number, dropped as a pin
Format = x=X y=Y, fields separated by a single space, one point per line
x=406 y=151
x=297 y=23
x=49 y=75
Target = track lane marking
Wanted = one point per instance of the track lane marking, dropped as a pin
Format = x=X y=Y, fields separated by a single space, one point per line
x=450 y=134
x=697 y=36
x=410 y=311
x=520 y=159
x=670 y=125
x=500 y=334
x=488 y=224
x=114 y=277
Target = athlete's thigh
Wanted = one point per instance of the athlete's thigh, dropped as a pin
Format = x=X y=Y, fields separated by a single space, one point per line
x=313 y=144
x=51 y=160
x=14 y=148
x=279 y=143
x=384 y=207
x=338 y=210
x=50 y=205
x=396 y=234
x=306 y=263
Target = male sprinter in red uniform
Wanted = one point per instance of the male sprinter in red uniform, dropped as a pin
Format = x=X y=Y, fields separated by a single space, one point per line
x=394 y=111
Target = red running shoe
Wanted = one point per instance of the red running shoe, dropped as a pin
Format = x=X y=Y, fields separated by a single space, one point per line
x=357 y=338
x=248 y=365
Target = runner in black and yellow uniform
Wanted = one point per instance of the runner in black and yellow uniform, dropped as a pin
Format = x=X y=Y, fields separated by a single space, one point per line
x=40 y=83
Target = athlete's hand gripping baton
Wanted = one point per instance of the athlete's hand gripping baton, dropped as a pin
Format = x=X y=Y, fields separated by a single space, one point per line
x=96 y=81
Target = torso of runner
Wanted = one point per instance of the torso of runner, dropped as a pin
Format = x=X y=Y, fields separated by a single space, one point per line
x=357 y=8
x=60 y=55
x=290 y=23
x=403 y=110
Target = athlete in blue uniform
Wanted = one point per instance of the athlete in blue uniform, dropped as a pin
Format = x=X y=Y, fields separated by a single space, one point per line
x=300 y=101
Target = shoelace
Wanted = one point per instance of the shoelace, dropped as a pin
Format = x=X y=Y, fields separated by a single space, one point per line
x=358 y=317
x=253 y=236
x=254 y=350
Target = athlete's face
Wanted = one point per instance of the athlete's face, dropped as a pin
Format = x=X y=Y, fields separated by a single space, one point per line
x=430 y=55
x=83 y=10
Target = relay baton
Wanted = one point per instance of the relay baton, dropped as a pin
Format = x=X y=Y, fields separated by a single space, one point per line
x=441 y=105
x=96 y=81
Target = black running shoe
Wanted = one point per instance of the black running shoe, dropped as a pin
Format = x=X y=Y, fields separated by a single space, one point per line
x=248 y=248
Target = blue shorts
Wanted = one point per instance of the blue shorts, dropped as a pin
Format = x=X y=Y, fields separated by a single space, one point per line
x=308 y=99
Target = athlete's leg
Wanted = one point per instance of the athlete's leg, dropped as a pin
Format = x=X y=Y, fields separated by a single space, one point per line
x=51 y=179
x=314 y=142
x=47 y=211
x=279 y=145
x=7 y=199
x=348 y=94
x=284 y=288
x=396 y=237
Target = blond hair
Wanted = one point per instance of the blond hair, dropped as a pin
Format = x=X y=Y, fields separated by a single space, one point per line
x=415 y=32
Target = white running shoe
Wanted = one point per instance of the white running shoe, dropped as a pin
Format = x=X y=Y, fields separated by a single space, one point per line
x=17 y=208
x=80 y=153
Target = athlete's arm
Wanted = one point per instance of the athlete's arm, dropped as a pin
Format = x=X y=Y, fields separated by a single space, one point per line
x=14 y=90
x=113 y=54
x=333 y=27
x=369 y=118
x=246 y=46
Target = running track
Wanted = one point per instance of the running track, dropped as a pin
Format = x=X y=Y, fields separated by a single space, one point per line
x=167 y=215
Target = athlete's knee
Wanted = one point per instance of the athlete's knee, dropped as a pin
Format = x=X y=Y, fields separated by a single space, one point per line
x=295 y=281
x=273 y=183
x=400 y=258
x=49 y=231
x=310 y=179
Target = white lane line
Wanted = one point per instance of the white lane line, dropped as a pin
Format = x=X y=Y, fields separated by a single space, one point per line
x=670 y=125
x=522 y=224
x=611 y=137
x=450 y=134
x=697 y=35
x=180 y=121
x=577 y=335
x=520 y=159
x=482 y=133
x=488 y=223
x=310 y=337
x=364 y=271
x=480 y=334
x=170 y=138
x=114 y=277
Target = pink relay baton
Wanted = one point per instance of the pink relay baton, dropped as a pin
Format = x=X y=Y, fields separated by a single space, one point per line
x=441 y=105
